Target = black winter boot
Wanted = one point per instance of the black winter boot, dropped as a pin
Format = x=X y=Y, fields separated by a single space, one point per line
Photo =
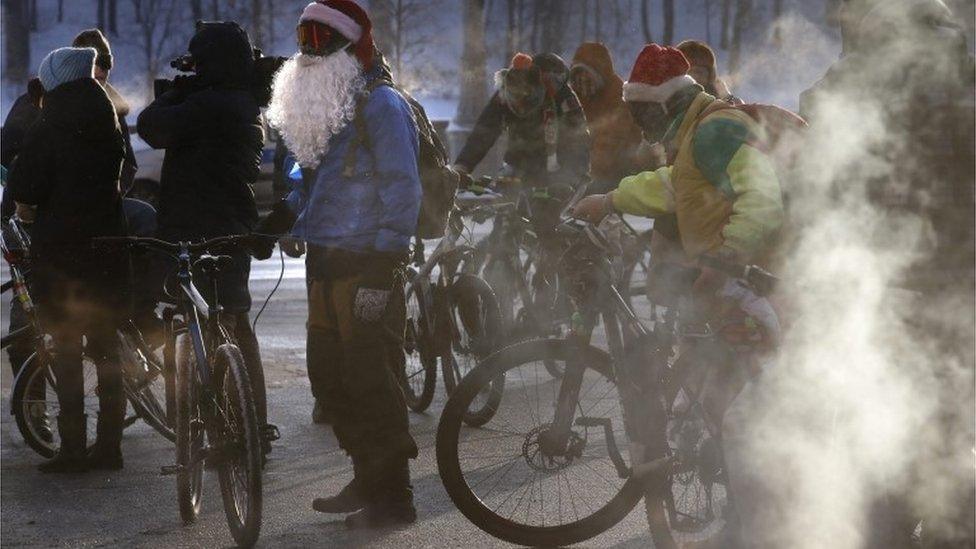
x=71 y=455
x=390 y=503
x=352 y=497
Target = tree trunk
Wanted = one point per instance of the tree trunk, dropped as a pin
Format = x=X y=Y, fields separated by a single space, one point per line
x=743 y=14
x=534 y=39
x=726 y=20
x=60 y=11
x=272 y=35
x=33 y=16
x=646 y=21
x=382 y=13
x=16 y=30
x=215 y=9
x=777 y=14
x=668 y=6
x=196 y=7
x=584 y=19
x=113 y=17
x=100 y=16
x=257 y=23
x=708 y=22
x=511 y=42
x=597 y=22
x=474 y=71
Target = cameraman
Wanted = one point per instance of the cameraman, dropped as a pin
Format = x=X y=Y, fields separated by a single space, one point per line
x=208 y=123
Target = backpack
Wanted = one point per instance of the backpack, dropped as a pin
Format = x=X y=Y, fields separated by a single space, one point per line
x=785 y=135
x=438 y=181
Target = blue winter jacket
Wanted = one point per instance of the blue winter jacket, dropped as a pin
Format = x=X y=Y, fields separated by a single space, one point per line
x=375 y=209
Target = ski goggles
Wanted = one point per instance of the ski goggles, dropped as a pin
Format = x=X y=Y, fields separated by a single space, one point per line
x=315 y=38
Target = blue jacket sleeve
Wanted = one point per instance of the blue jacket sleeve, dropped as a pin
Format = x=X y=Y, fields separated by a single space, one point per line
x=394 y=144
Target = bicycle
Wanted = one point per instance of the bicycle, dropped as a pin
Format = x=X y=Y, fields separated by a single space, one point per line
x=549 y=470
x=455 y=319
x=216 y=421
x=518 y=259
x=34 y=395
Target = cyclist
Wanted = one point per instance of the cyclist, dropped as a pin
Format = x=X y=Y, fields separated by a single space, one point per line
x=704 y=69
x=213 y=141
x=357 y=224
x=548 y=141
x=77 y=290
x=723 y=190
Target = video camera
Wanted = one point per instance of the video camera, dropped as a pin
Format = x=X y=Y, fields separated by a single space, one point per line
x=261 y=78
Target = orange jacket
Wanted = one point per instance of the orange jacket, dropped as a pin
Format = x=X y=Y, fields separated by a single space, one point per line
x=614 y=135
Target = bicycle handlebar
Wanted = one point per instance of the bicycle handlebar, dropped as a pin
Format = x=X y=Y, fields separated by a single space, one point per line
x=171 y=247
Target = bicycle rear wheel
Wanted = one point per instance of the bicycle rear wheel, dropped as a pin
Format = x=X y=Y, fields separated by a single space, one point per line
x=500 y=477
x=34 y=401
x=239 y=466
x=189 y=432
x=477 y=326
x=419 y=378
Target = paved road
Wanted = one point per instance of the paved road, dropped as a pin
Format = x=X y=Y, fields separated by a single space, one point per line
x=136 y=507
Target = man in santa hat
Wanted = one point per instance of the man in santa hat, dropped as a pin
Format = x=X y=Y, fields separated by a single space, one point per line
x=357 y=221
x=727 y=199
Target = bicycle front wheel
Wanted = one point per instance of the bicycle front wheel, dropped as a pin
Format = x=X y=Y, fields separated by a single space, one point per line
x=189 y=432
x=239 y=468
x=508 y=478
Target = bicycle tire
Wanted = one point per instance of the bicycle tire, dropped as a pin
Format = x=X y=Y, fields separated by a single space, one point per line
x=448 y=460
x=419 y=354
x=139 y=391
x=189 y=432
x=238 y=400
x=32 y=372
x=470 y=289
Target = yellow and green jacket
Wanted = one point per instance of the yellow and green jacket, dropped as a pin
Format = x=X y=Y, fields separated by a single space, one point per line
x=723 y=189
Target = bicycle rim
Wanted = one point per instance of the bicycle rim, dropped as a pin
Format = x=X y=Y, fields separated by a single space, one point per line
x=35 y=402
x=499 y=477
x=419 y=377
x=239 y=469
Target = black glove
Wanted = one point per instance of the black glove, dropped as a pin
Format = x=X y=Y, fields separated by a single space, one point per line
x=260 y=246
x=278 y=222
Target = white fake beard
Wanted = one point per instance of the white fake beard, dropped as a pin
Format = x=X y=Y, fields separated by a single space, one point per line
x=313 y=98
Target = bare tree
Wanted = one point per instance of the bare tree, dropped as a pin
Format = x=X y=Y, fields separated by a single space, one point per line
x=777 y=13
x=646 y=21
x=474 y=70
x=113 y=17
x=257 y=23
x=584 y=19
x=708 y=22
x=155 y=36
x=743 y=16
x=512 y=30
x=100 y=15
x=215 y=10
x=196 y=8
x=668 y=6
x=726 y=20
x=16 y=30
x=60 y=11
x=33 y=15
x=597 y=23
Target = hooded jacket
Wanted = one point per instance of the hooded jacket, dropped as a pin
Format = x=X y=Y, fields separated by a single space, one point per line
x=614 y=136
x=213 y=140
x=69 y=168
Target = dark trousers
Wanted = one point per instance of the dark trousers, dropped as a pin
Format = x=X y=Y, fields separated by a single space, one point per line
x=353 y=367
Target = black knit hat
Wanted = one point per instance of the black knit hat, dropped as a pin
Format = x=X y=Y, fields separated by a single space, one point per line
x=93 y=38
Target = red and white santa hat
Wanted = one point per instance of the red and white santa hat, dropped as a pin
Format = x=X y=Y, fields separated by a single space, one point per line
x=349 y=20
x=658 y=73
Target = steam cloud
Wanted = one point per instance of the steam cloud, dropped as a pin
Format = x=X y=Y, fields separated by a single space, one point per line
x=871 y=396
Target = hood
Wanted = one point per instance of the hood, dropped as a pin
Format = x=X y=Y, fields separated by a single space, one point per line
x=81 y=107
x=596 y=57
x=222 y=53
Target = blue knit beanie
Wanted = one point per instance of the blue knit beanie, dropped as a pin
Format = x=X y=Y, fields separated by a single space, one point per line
x=65 y=65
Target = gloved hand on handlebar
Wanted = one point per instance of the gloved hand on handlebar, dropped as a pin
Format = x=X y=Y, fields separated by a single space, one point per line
x=278 y=222
x=593 y=208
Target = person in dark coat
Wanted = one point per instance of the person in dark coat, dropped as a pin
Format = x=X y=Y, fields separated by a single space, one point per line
x=548 y=142
x=67 y=174
x=209 y=126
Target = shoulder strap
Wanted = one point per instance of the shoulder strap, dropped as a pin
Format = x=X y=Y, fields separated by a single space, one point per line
x=361 y=139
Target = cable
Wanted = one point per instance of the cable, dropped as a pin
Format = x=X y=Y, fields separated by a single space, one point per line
x=281 y=277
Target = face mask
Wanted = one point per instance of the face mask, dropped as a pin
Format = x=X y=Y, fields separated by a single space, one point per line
x=524 y=93
x=652 y=119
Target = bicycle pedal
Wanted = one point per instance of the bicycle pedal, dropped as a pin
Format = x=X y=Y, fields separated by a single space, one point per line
x=167 y=470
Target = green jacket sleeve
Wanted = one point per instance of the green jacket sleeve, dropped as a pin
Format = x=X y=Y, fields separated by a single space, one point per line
x=647 y=194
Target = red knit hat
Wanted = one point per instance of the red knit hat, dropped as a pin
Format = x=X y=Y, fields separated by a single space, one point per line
x=350 y=20
x=658 y=73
